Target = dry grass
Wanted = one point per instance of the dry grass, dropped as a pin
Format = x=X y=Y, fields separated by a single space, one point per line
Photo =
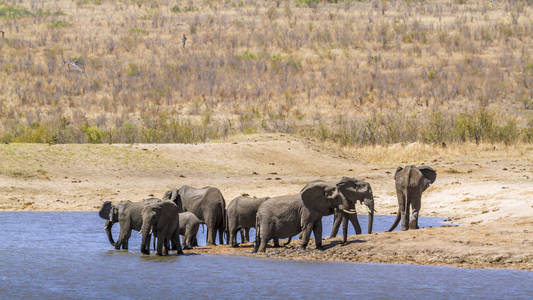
x=353 y=71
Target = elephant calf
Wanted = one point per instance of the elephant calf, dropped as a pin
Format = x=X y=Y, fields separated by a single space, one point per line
x=241 y=213
x=189 y=224
x=411 y=182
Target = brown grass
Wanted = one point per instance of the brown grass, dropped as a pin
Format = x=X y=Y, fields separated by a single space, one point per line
x=353 y=71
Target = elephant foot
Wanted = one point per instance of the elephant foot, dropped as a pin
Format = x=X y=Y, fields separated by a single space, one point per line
x=180 y=252
x=210 y=244
x=320 y=248
x=234 y=245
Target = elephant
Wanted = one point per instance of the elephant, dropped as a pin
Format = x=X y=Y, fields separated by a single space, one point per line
x=128 y=214
x=206 y=203
x=411 y=182
x=355 y=191
x=189 y=224
x=286 y=216
x=241 y=213
x=161 y=219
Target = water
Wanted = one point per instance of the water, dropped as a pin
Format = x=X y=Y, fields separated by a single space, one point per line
x=57 y=255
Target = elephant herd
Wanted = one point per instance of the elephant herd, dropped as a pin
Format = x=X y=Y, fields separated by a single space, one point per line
x=181 y=212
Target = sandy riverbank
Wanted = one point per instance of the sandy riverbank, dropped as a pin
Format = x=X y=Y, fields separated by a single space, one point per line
x=485 y=188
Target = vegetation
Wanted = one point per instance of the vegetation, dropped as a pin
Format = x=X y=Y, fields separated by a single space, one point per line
x=353 y=72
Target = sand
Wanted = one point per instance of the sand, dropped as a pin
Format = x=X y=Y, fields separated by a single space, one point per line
x=486 y=189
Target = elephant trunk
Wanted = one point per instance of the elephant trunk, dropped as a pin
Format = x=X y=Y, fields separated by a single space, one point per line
x=370 y=220
x=107 y=227
x=370 y=204
x=146 y=235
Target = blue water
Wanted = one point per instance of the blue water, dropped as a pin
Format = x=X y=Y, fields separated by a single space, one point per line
x=58 y=255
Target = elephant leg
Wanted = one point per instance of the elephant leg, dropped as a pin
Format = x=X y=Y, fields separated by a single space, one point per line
x=221 y=236
x=317 y=232
x=261 y=238
x=233 y=237
x=176 y=241
x=194 y=241
x=126 y=240
x=160 y=242
x=337 y=218
x=306 y=234
x=122 y=235
x=288 y=241
x=165 y=247
x=241 y=231
x=404 y=208
x=355 y=223
x=247 y=235
x=416 y=209
x=344 y=229
x=211 y=231
x=276 y=243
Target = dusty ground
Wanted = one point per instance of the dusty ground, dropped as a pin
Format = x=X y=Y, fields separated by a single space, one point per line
x=486 y=189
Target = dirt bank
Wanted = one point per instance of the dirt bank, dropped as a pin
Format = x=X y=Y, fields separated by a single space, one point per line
x=485 y=188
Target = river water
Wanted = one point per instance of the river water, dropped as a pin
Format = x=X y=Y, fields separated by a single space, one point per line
x=66 y=255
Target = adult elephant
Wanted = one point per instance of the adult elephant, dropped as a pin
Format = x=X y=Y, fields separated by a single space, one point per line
x=161 y=219
x=206 y=203
x=411 y=182
x=128 y=215
x=354 y=190
x=241 y=213
x=286 y=216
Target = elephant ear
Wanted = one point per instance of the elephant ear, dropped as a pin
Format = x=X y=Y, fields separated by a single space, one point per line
x=171 y=195
x=105 y=209
x=397 y=171
x=429 y=173
x=314 y=197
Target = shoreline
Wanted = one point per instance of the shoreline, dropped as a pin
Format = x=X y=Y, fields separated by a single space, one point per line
x=485 y=189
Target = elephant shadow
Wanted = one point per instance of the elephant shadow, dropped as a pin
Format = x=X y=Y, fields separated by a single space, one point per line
x=172 y=255
x=335 y=243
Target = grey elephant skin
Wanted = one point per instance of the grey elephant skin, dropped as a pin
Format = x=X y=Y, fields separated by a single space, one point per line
x=411 y=182
x=128 y=215
x=206 y=203
x=161 y=219
x=286 y=216
x=241 y=214
x=189 y=224
x=354 y=190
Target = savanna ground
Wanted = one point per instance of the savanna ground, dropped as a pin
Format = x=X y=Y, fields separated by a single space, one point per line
x=283 y=92
x=485 y=188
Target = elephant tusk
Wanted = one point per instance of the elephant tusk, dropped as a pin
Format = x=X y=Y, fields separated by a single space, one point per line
x=351 y=212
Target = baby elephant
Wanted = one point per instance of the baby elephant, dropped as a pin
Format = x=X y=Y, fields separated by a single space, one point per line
x=411 y=182
x=189 y=224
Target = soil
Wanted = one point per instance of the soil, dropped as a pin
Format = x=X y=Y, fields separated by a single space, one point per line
x=485 y=189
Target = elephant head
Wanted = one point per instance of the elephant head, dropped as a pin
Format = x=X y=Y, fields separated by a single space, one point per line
x=355 y=190
x=174 y=196
x=322 y=197
x=150 y=216
x=109 y=212
x=428 y=173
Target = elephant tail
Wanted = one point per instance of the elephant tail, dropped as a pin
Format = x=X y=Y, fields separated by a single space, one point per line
x=396 y=221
